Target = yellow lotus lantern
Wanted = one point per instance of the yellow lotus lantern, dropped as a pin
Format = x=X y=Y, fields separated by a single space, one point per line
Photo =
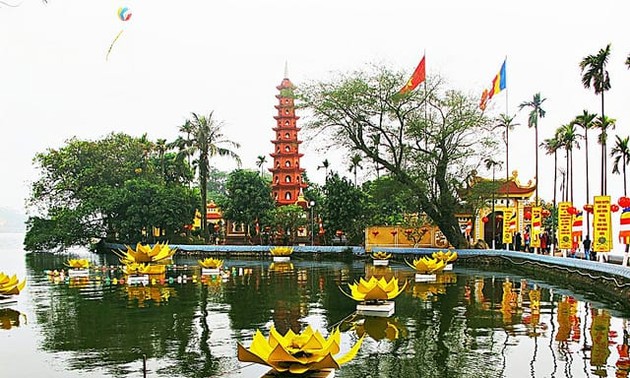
x=427 y=265
x=10 y=285
x=147 y=254
x=281 y=251
x=375 y=290
x=211 y=263
x=297 y=353
x=152 y=269
x=447 y=257
x=78 y=263
x=380 y=255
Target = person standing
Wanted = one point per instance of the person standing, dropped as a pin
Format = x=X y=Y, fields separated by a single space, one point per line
x=586 y=243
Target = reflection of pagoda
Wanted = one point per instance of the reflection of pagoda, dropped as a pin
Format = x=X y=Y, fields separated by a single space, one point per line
x=287 y=181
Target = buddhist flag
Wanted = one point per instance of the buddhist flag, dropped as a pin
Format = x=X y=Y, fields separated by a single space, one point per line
x=499 y=82
x=624 y=227
x=576 y=232
x=418 y=76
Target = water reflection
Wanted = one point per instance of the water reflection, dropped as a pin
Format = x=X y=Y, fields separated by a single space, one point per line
x=187 y=324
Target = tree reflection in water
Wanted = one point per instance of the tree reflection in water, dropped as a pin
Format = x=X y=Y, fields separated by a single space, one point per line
x=467 y=323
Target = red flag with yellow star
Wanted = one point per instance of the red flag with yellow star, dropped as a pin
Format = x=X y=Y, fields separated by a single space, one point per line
x=418 y=76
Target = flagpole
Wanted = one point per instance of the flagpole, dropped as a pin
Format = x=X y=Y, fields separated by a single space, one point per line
x=426 y=96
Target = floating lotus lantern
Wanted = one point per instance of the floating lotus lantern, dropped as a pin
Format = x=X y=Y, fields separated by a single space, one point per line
x=281 y=253
x=210 y=266
x=10 y=285
x=140 y=269
x=448 y=258
x=159 y=253
x=426 y=268
x=78 y=267
x=381 y=258
x=294 y=353
x=375 y=295
x=78 y=263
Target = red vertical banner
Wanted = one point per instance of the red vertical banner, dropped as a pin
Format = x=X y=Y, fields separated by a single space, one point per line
x=565 y=223
x=602 y=230
x=536 y=226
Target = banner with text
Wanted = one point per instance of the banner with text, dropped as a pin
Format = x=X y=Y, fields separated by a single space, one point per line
x=509 y=217
x=602 y=230
x=565 y=225
x=536 y=226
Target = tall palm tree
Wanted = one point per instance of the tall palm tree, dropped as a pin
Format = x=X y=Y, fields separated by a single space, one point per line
x=586 y=121
x=552 y=146
x=324 y=165
x=621 y=153
x=535 y=114
x=206 y=141
x=182 y=143
x=161 y=147
x=568 y=138
x=506 y=121
x=604 y=124
x=595 y=75
x=493 y=164
x=355 y=162
x=260 y=162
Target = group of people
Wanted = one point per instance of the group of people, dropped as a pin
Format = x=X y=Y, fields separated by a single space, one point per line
x=523 y=242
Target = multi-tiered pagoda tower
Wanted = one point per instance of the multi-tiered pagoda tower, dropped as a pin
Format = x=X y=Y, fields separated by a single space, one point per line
x=286 y=173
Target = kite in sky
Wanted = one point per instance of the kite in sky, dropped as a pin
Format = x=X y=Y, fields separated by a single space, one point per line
x=124 y=14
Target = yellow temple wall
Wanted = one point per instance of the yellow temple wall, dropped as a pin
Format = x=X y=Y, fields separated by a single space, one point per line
x=395 y=236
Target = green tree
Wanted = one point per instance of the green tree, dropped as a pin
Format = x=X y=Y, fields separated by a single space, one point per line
x=595 y=75
x=507 y=122
x=355 y=163
x=621 y=155
x=535 y=114
x=260 y=163
x=84 y=188
x=287 y=220
x=426 y=151
x=387 y=202
x=248 y=199
x=344 y=209
x=551 y=146
x=205 y=140
x=586 y=121
x=568 y=137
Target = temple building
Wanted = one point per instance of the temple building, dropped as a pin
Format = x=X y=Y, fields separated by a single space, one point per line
x=287 y=184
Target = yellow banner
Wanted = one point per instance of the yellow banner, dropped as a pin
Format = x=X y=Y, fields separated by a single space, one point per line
x=536 y=227
x=602 y=230
x=509 y=224
x=565 y=225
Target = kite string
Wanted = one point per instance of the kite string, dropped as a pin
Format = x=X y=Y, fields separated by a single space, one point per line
x=112 y=45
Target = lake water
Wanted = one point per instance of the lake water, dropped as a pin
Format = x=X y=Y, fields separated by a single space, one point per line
x=470 y=323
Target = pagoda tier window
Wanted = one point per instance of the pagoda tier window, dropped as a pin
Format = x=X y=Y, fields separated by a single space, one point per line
x=287 y=149
x=275 y=196
x=287 y=136
x=286 y=123
x=287 y=196
x=276 y=179
x=287 y=164
x=287 y=179
x=286 y=100
x=286 y=111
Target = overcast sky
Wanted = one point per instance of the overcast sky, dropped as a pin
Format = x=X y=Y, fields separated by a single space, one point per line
x=178 y=57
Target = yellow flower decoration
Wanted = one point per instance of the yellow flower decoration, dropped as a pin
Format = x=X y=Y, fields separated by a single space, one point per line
x=375 y=289
x=147 y=254
x=135 y=268
x=78 y=263
x=281 y=251
x=211 y=263
x=380 y=255
x=10 y=285
x=426 y=265
x=297 y=353
x=447 y=257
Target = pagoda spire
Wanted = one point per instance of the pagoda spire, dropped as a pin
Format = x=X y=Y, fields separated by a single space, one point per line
x=286 y=69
